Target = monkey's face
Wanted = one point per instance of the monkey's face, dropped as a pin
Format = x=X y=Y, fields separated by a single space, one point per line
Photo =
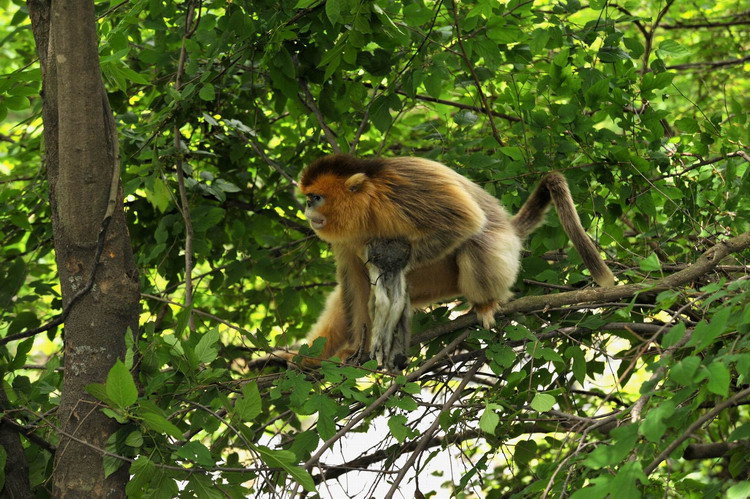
x=313 y=208
x=336 y=206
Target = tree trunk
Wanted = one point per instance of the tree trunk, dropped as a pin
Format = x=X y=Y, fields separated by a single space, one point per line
x=81 y=161
x=16 y=467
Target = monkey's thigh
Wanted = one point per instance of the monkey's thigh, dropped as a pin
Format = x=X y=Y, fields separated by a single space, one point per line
x=488 y=265
x=433 y=282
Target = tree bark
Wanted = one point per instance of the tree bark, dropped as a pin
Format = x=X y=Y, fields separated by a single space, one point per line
x=81 y=161
x=16 y=467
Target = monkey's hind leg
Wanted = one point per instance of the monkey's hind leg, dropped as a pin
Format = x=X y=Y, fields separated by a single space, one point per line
x=488 y=264
x=389 y=305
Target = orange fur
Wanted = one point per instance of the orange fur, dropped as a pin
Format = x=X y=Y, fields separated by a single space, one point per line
x=462 y=241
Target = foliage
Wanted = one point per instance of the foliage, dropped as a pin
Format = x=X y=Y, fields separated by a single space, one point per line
x=642 y=105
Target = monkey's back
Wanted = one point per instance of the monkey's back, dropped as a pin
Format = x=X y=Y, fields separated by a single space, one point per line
x=433 y=187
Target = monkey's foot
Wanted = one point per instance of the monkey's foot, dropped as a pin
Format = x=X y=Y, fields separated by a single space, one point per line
x=486 y=313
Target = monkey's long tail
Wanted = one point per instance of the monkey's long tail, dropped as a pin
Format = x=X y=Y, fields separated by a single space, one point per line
x=554 y=188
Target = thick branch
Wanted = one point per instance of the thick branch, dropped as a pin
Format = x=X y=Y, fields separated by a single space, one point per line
x=712 y=450
x=705 y=263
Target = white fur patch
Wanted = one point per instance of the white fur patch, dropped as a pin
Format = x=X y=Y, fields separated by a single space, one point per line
x=390 y=312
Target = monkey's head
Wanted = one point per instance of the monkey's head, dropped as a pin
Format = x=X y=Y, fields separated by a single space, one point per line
x=339 y=191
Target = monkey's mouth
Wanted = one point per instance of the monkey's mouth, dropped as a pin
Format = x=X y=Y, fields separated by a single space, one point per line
x=317 y=223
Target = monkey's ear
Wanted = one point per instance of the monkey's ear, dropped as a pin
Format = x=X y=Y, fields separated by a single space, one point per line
x=355 y=182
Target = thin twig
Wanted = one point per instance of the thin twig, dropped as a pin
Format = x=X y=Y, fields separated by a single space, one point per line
x=477 y=82
x=184 y=204
x=650 y=36
x=425 y=440
x=696 y=424
x=384 y=397
x=711 y=64
x=309 y=101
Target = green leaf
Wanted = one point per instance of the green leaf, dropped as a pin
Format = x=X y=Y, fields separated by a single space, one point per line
x=624 y=484
x=305 y=444
x=433 y=84
x=207 y=92
x=22 y=350
x=488 y=421
x=687 y=125
x=740 y=433
x=705 y=333
x=513 y=152
x=650 y=263
x=397 y=425
x=624 y=440
x=284 y=459
x=579 y=362
x=524 y=452
x=160 y=424
x=416 y=14
x=333 y=10
x=249 y=406
x=120 y=386
x=196 y=452
x=17 y=102
x=613 y=54
x=99 y=391
x=141 y=472
x=158 y=194
x=740 y=490
x=600 y=489
x=326 y=409
x=204 y=487
x=505 y=34
x=543 y=402
x=654 y=425
x=134 y=439
x=205 y=351
x=684 y=371
x=412 y=388
x=674 y=335
x=718 y=378
x=671 y=48
x=380 y=114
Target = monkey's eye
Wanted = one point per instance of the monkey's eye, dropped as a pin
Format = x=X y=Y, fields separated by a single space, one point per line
x=314 y=200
